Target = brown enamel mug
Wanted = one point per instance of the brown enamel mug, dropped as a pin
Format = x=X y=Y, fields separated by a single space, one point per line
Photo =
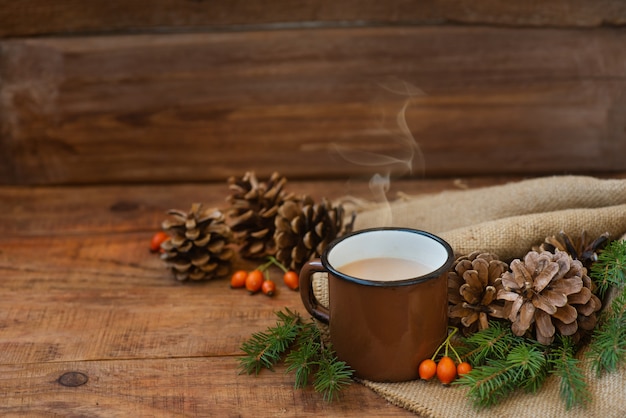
x=387 y=299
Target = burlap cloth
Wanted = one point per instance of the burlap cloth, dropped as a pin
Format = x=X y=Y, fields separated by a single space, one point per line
x=508 y=220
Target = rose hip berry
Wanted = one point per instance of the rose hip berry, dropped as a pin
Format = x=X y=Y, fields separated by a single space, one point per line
x=427 y=369
x=291 y=279
x=157 y=240
x=254 y=281
x=238 y=279
x=268 y=287
x=463 y=368
x=446 y=370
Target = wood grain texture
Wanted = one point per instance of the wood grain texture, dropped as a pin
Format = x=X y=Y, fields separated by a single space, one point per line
x=42 y=17
x=169 y=387
x=57 y=211
x=106 y=297
x=201 y=107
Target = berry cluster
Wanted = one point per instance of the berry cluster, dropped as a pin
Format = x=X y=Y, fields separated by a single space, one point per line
x=445 y=369
x=259 y=280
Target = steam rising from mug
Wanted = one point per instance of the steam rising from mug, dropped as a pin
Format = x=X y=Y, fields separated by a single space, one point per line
x=410 y=159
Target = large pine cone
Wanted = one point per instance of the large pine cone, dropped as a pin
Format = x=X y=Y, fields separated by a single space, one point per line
x=472 y=288
x=198 y=245
x=581 y=248
x=253 y=206
x=548 y=292
x=304 y=229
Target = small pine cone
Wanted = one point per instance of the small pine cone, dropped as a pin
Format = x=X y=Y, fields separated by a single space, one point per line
x=580 y=248
x=253 y=206
x=304 y=229
x=198 y=245
x=472 y=287
x=546 y=293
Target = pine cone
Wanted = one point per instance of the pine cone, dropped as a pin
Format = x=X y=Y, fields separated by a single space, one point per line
x=304 y=229
x=254 y=205
x=472 y=287
x=548 y=292
x=581 y=248
x=198 y=245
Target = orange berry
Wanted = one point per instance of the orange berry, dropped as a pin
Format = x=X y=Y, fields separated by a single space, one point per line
x=446 y=370
x=427 y=369
x=463 y=368
x=254 y=281
x=157 y=239
x=238 y=279
x=268 y=287
x=291 y=279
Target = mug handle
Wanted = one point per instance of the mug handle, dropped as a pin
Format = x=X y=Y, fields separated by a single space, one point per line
x=309 y=300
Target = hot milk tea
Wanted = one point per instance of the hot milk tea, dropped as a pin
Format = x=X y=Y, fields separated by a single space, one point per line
x=385 y=269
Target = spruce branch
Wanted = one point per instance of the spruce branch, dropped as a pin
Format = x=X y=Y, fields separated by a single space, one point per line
x=494 y=342
x=510 y=363
x=264 y=349
x=303 y=358
x=529 y=362
x=573 y=387
x=300 y=344
x=534 y=382
x=610 y=268
x=488 y=384
x=332 y=376
x=607 y=350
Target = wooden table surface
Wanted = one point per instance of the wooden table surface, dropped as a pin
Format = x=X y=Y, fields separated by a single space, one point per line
x=92 y=324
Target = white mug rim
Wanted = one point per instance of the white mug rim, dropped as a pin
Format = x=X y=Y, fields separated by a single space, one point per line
x=433 y=274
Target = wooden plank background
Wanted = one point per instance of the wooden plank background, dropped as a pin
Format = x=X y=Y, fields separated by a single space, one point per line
x=213 y=89
x=37 y=17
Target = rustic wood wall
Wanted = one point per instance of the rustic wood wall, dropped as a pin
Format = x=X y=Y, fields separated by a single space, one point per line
x=142 y=91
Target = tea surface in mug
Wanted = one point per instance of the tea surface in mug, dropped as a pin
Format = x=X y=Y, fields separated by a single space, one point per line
x=385 y=269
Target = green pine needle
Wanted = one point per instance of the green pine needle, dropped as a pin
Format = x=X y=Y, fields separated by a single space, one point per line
x=488 y=384
x=610 y=268
x=607 y=349
x=300 y=344
x=535 y=380
x=302 y=359
x=332 y=376
x=264 y=349
x=573 y=387
x=494 y=342
x=523 y=366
